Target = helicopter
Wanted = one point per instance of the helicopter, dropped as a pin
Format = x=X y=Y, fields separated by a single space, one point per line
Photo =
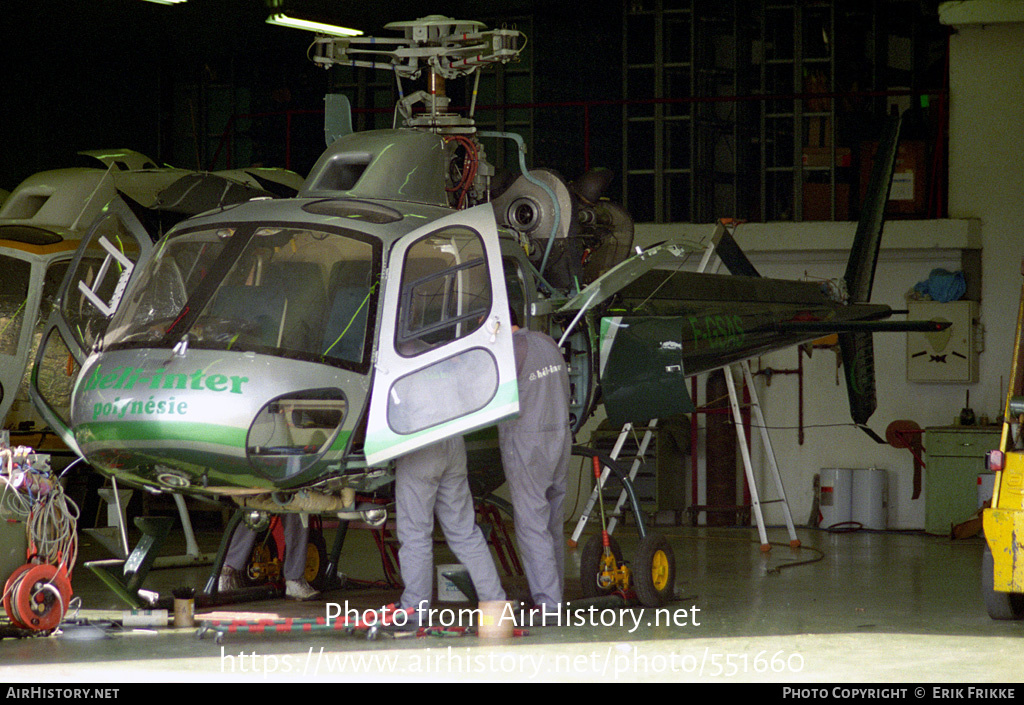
x=277 y=353
x=42 y=223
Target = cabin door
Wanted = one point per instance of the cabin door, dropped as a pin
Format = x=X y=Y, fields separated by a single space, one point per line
x=106 y=261
x=444 y=363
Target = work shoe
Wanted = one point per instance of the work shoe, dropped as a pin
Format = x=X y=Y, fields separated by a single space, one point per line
x=228 y=580
x=299 y=590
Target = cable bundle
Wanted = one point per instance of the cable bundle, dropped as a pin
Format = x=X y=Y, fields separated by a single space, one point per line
x=36 y=595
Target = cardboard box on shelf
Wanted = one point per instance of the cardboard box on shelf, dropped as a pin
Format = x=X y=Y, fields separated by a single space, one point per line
x=818 y=201
x=822 y=157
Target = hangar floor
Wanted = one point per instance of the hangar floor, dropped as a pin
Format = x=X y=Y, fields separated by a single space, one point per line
x=851 y=607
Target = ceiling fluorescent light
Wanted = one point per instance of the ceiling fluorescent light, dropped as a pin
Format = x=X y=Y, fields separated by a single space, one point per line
x=166 y=2
x=286 y=21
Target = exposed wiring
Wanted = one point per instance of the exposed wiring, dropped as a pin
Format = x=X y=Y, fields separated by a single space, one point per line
x=470 y=164
x=31 y=494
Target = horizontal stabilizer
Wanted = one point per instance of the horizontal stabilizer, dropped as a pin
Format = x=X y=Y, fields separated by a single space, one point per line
x=863 y=326
x=728 y=250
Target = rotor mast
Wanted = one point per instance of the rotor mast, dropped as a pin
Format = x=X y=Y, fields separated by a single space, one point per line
x=439 y=46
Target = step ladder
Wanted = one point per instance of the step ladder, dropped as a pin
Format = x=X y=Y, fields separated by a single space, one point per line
x=748 y=467
x=729 y=225
x=620 y=442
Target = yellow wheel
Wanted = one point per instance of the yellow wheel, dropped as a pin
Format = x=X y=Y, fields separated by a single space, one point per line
x=654 y=571
x=316 y=559
x=659 y=570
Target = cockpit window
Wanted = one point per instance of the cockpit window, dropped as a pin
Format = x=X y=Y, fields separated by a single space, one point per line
x=291 y=290
x=446 y=290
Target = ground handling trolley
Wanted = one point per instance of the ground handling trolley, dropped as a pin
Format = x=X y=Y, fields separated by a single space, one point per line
x=651 y=575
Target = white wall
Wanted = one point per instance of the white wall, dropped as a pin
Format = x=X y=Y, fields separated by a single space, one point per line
x=986 y=172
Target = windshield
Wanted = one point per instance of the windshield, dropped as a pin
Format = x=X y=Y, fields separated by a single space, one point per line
x=294 y=291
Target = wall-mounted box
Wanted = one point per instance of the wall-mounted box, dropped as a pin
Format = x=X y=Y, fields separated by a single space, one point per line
x=945 y=356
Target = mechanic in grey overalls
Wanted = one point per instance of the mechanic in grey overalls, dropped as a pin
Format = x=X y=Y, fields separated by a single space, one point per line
x=535 y=451
x=434 y=481
x=296 y=536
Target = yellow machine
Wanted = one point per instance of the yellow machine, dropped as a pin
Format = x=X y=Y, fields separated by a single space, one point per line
x=1002 y=574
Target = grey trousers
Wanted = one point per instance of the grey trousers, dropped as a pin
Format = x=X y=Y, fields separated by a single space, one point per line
x=432 y=481
x=295 y=538
x=536 y=465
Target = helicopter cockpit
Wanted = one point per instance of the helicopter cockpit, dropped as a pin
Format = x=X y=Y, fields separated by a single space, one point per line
x=299 y=292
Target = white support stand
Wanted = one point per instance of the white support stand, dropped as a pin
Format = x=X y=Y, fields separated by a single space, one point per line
x=114 y=536
x=634 y=468
x=191 y=547
x=596 y=493
x=192 y=556
x=755 y=500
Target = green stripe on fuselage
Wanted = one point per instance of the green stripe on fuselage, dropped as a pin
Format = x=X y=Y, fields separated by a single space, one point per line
x=105 y=431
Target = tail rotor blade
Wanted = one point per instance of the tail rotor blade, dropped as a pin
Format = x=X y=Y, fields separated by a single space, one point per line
x=859 y=365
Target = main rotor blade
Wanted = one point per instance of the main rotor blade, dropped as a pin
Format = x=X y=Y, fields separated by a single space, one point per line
x=860 y=270
x=863 y=326
x=732 y=256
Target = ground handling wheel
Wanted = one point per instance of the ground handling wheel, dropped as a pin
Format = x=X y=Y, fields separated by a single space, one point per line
x=600 y=574
x=264 y=565
x=316 y=560
x=654 y=571
x=602 y=571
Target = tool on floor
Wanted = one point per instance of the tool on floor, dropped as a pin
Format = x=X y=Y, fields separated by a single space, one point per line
x=383 y=624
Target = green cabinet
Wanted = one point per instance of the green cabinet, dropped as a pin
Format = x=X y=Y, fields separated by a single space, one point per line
x=954 y=457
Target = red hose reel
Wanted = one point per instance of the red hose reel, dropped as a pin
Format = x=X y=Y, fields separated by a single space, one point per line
x=36 y=596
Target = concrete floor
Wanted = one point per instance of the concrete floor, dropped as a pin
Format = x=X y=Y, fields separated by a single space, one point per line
x=852 y=607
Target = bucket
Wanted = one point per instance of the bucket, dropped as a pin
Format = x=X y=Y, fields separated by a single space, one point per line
x=870 y=498
x=496 y=620
x=834 y=492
